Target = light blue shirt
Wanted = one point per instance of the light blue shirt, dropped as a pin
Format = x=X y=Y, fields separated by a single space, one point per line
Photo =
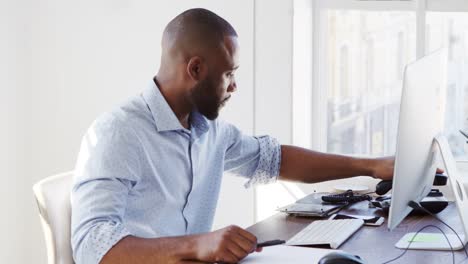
x=140 y=173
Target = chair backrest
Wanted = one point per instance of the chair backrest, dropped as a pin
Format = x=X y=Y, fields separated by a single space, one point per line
x=53 y=198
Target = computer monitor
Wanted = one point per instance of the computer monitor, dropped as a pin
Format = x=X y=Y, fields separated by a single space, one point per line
x=419 y=142
x=420 y=120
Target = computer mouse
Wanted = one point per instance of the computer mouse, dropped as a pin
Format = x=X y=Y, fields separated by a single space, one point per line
x=339 y=257
x=383 y=187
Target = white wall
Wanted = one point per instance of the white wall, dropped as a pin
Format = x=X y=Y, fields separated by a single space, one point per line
x=273 y=88
x=14 y=120
x=66 y=62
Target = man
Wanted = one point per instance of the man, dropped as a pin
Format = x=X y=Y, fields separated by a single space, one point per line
x=149 y=173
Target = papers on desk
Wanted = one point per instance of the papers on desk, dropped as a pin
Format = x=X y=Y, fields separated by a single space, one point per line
x=286 y=254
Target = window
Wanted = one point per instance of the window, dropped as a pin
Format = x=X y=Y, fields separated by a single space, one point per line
x=451 y=30
x=343 y=90
x=364 y=85
x=360 y=49
x=348 y=63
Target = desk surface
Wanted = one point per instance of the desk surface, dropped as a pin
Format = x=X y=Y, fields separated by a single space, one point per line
x=374 y=244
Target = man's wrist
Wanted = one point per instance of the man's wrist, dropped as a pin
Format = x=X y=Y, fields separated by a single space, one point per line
x=366 y=167
x=188 y=248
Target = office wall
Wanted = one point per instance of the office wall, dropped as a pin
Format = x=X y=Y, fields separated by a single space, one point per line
x=68 y=61
x=273 y=89
x=14 y=120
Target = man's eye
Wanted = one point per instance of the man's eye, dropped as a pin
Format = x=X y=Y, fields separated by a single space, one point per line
x=230 y=74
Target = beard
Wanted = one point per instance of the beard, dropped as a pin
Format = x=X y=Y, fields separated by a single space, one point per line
x=205 y=99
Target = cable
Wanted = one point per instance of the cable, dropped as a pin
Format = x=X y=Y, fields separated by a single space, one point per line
x=343 y=207
x=416 y=205
x=414 y=236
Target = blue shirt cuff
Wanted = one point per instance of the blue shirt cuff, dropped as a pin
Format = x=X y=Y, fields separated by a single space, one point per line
x=269 y=162
x=100 y=239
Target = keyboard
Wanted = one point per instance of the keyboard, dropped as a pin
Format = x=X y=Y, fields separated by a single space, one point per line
x=326 y=232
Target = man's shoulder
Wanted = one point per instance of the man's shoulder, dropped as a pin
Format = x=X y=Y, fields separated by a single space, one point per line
x=126 y=117
x=223 y=125
x=219 y=125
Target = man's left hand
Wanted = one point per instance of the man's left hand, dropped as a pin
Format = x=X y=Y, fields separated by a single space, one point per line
x=383 y=168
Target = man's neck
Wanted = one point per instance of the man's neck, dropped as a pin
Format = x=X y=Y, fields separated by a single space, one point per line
x=176 y=100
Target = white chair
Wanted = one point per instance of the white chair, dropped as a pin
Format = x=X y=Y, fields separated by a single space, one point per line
x=53 y=198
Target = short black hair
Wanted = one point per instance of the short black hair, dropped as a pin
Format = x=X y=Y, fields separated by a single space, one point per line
x=200 y=21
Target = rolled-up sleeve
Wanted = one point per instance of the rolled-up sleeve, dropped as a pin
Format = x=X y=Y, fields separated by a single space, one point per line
x=257 y=158
x=106 y=171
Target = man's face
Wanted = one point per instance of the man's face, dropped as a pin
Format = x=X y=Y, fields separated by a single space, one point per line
x=211 y=94
x=207 y=98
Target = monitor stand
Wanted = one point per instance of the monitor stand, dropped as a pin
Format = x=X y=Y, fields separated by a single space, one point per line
x=438 y=241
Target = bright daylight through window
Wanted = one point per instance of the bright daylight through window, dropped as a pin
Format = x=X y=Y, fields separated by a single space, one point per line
x=358 y=58
x=348 y=62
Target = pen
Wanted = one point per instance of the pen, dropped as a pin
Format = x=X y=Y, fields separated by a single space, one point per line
x=271 y=243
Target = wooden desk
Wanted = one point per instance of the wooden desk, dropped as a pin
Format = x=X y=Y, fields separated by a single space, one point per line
x=373 y=244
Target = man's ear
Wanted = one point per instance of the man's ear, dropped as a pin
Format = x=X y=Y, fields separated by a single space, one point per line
x=196 y=68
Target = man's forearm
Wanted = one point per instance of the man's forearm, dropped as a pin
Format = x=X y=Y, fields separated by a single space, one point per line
x=303 y=165
x=151 y=250
x=227 y=245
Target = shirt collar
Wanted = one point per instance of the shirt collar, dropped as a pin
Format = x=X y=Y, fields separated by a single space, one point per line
x=164 y=117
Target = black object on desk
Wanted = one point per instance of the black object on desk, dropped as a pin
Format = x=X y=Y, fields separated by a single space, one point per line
x=271 y=243
x=384 y=186
x=340 y=258
x=347 y=197
x=435 y=202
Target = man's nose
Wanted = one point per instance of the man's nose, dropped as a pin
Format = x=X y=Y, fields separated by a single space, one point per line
x=232 y=87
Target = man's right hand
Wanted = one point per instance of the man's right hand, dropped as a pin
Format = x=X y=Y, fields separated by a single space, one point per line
x=227 y=245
